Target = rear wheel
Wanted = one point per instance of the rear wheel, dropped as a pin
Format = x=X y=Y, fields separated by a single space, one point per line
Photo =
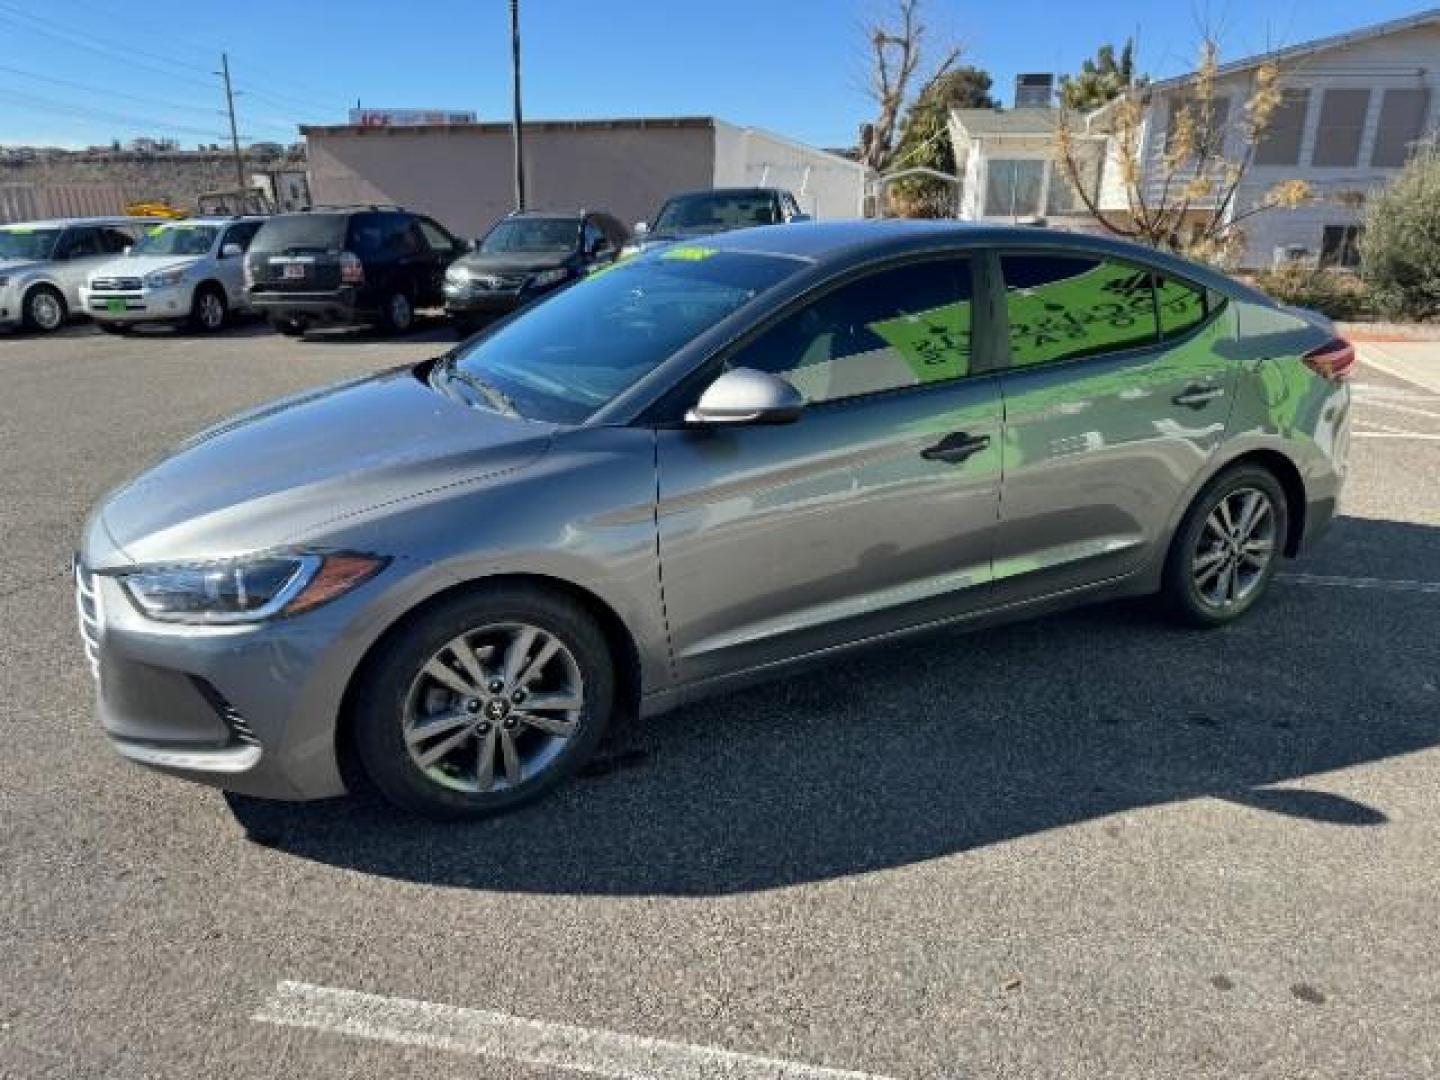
x=43 y=310
x=208 y=310
x=1225 y=552
x=397 y=313
x=485 y=703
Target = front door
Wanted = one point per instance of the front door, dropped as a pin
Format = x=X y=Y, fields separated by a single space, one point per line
x=876 y=510
x=1117 y=393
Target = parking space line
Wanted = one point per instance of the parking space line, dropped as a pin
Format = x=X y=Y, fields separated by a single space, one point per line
x=483 y=1033
x=1388 y=584
x=1421 y=435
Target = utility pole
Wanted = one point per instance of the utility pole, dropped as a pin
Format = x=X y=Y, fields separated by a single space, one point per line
x=234 y=136
x=516 y=126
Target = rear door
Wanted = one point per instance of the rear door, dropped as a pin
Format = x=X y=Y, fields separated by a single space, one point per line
x=80 y=251
x=876 y=510
x=1117 y=393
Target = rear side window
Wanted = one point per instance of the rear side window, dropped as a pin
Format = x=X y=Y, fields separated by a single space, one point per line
x=297 y=233
x=1063 y=307
x=1181 y=306
x=897 y=328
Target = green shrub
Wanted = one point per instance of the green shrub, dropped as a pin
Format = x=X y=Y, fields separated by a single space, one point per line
x=1330 y=292
x=1400 y=247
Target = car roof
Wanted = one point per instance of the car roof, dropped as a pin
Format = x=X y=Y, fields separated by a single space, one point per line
x=217 y=219
x=66 y=223
x=839 y=243
x=736 y=192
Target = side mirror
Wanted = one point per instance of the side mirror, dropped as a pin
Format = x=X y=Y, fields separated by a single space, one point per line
x=127 y=249
x=231 y=251
x=641 y=228
x=747 y=396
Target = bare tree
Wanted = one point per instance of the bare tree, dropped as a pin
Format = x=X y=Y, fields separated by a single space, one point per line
x=1195 y=170
x=897 y=55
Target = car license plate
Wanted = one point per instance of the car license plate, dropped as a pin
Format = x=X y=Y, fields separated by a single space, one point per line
x=115 y=305
x=294 y=270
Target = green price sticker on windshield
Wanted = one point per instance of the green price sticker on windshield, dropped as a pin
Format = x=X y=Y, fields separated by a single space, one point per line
x=687 y=253
x=21 y=232
x=155 y=230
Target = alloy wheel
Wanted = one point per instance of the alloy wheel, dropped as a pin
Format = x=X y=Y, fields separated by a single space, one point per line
x=401 y=313
x=1235 y=549
x=46 y=312
x=494 y=708
x=212 y=311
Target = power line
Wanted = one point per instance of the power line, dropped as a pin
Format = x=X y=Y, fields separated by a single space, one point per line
x=29 y=101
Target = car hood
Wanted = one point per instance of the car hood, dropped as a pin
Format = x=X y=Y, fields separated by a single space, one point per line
x=280 y=473
x=510 y=262
x=140 y=265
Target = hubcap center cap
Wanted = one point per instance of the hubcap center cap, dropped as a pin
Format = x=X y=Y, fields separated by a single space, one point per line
x=498 y=709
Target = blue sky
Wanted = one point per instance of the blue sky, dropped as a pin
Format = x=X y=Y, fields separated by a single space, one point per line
x=794 y=66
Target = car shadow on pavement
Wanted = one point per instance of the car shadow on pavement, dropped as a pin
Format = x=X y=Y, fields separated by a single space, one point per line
x=943 y=744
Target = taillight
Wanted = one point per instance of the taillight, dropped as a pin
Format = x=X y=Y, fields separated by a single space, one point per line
x=1335 y=360
x=352 y=270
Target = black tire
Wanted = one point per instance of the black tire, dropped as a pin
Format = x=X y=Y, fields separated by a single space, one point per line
x=288 y=327
x=43 y=311
x=1181 y=592
x=209 y=311
x=385 y=687
x=119 y=329
x=397 y=313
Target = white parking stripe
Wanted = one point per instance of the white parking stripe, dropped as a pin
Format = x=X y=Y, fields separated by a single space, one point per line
x=1421 y=435
x=1362 y=583
x=531 y=1042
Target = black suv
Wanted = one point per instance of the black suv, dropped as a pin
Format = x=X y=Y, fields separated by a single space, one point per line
x=348 y=265
x=523 y=257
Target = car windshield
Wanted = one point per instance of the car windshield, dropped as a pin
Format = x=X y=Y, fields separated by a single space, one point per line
x=302 y=232
x=564 y=359
x=533 y=234
x=176 y=240
x=22 y=243
x=715 y=212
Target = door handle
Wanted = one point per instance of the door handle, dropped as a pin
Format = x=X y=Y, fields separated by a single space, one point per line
x=1197 y=396
x=955 y=447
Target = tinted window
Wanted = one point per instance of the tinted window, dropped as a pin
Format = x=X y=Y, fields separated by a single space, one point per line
x=79 y=243
x=296 y=233
x=562 y=360
x=897 y=328
x=533 y=234
x=711 y=212
x=439 y=240
x=242 y=233
x=595 y=236
x=1061 y=307
x=114 y=241
x=22 y=242
x=1182 y=307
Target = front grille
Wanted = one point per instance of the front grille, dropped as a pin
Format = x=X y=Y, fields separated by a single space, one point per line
x=495 y=282
x=115 y=284
x=92 y=616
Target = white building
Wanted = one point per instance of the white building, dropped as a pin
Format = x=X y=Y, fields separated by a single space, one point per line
x=1356 y=107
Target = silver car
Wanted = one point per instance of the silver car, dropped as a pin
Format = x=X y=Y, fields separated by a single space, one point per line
x=44 y=263
x=693 y=470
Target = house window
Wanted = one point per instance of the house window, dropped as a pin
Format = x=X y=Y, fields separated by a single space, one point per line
x=1012 y=187
x=1340 y=246
x=1209 y=123
x=1280 y=143
x=1402 y=121
x=1342 y=122
x=1062 y=197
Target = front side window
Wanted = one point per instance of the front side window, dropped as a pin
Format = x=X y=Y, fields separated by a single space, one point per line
x=1012 y=187
x=897 y=328
x=242 y=234
x=562 y=360
x=439 y=240
x=80 y=243
x=176 y=240
x=1065 y=306
x=546 y=235
x=20 y=242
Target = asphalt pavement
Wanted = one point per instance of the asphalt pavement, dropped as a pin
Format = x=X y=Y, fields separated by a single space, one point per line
x=1090 y=845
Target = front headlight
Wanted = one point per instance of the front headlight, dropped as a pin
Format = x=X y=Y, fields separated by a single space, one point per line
x=458 y=275
x=245 y=590
x=163 y=279
x=549 y=277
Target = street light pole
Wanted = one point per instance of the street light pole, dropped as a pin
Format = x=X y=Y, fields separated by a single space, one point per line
x=517 y=125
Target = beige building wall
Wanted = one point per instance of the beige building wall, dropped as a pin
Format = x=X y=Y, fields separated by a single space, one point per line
x=462 y=175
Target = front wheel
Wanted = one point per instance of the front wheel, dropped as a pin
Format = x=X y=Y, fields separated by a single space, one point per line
x=1224 y=554
x=485 y=703
x=208 y=311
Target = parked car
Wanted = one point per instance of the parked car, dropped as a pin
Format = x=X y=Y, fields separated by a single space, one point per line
x=715 y=210
x=44 y=263
x=347 y=265
x=525 y=256
x=697 y=469
x=188 y=272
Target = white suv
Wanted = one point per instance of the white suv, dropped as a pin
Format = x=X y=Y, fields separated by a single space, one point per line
x=189 y=272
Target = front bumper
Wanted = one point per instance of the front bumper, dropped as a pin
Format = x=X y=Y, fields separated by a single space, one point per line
x=169 y=304
x=249 y=708
x=464 y=299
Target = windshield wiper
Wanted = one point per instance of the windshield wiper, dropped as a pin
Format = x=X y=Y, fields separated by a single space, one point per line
x=496 y=398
